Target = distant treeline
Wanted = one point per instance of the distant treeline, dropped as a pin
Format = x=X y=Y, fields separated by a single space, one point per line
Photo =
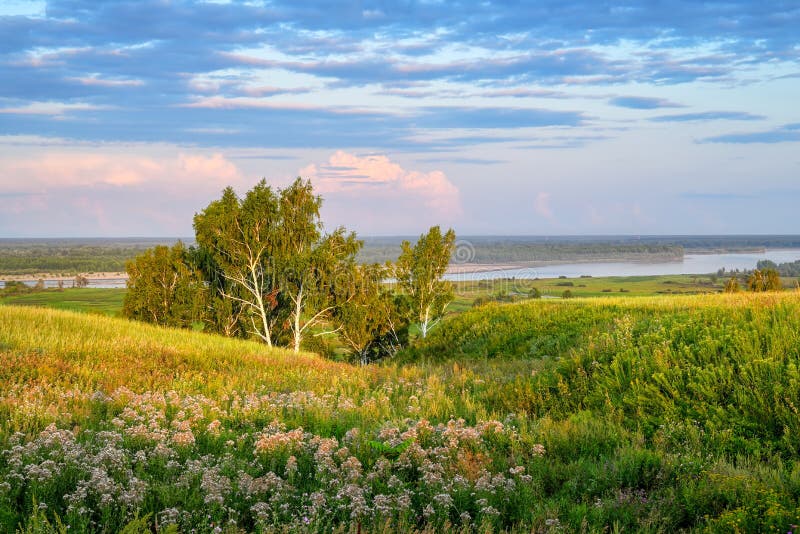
x=784 y=269
x=68 y=256
x=73 y=256
x=468 y=251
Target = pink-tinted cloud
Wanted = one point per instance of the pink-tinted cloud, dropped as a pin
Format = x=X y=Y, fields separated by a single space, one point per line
x=376 y=176
x=64 y=170
x=542 y=206
x=109 y=191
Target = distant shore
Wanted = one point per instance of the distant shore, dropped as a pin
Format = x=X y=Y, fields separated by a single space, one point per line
x=57 y=277
x=466 y=268
x=453 y=268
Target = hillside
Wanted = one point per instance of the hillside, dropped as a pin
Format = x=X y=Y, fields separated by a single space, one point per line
x=657 y=414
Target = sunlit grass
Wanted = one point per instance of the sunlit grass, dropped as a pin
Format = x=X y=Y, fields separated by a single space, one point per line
x=634 y=413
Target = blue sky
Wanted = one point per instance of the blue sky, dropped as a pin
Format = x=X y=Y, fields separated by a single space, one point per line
x=553 y=117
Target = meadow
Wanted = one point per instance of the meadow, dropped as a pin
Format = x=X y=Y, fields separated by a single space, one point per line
x=91 y=300
x=109 y=301
x=652 y=414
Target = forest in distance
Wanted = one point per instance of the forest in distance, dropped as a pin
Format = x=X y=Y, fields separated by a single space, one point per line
x=70 y=256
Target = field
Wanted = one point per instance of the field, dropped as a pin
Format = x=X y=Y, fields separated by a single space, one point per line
x=511 y=290
x=655 y=414
x=109 y=301
x=103 y=301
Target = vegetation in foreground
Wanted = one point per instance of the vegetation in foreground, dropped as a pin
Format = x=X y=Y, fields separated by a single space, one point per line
x=650 y=414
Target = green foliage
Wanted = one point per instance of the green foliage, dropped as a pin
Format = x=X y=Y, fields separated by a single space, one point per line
x=534 y=293
x=419 y=271
x=69 y=256
x=270 y=268
x=163 y=288
x=766 y=280
x=368 y=316
x=732 y=285
x=239 y=236
x=788 y=269
x=567 y=294
x=528 y=249
x=13 y=288
x=663 y=414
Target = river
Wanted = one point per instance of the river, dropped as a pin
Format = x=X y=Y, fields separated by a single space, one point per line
x=691 y=264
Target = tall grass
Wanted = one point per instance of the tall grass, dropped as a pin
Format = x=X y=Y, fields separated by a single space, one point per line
x=649 y=414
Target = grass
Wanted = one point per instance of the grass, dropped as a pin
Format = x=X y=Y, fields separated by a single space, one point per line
x=654 y=414
x=92 y=300
x=109 y=301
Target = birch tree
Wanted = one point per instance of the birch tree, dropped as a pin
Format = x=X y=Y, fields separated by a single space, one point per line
x=310 y=262
x=277 y=263
x=419 y=272
x=163 y=288
x=239 y=235
x=368 y=316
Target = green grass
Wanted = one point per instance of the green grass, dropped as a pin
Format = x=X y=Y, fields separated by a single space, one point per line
x=102 y=301
x=654 y=414
x=109 y=301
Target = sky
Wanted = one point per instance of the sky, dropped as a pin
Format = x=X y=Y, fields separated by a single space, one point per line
x=552 y=117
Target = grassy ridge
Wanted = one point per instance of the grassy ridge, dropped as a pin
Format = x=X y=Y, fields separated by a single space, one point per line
x=650 y=414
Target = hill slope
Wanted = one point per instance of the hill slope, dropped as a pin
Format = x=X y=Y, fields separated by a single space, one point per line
x=657 y=414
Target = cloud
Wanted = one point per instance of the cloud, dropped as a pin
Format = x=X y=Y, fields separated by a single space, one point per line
x=708 y=116
x=464 y=161
x=65 y=170
x=716 y=196
x=102 y=82
x=365 y=179
x=55 y=109
x=494 y=117
x=122 y=70
x=109 y=191
x=541 y=205
x=642 y=102
x=789 y=133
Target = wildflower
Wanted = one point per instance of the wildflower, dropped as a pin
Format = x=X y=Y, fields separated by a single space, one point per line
x=444 y=500
x=183 y=439
x=270 y=442
x=214 y=428
x=291 y=467
x=516 y=471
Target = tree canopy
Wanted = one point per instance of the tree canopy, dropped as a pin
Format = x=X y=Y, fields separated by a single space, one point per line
x=163 y=288
x=419 y=272
x=265 y=267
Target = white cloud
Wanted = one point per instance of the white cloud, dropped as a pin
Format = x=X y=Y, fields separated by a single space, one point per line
x=54 y=109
